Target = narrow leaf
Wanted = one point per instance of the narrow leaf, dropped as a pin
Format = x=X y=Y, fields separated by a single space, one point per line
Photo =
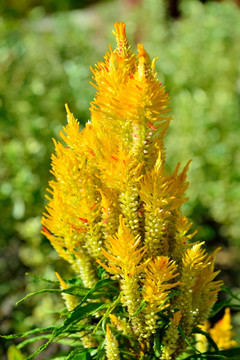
x=187 y=340
x=99 y=285
x=111 y=308
x=78 y=355
x=229 y=291
x=142 y=306
x=38 y=292
x=205 y=356
x=42 y=279
x=80 y=312
x=218 y=307
x=43 y=347
x=37 y=330
x=33 y=339
x=231 y=352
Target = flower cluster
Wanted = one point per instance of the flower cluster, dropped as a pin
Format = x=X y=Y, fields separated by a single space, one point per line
x=113 y=205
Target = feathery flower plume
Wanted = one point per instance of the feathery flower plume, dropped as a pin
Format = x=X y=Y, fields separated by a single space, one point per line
x=222 y=332
x=113 y=204
x=111 y=345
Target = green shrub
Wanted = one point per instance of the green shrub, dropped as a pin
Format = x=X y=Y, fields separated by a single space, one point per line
x=43 y=64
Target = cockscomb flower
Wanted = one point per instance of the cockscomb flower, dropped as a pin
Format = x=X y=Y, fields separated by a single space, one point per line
x=222 y=332
x=114 y=213
x=111 y=345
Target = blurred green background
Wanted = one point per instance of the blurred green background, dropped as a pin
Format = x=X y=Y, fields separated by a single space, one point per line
x=46 y=48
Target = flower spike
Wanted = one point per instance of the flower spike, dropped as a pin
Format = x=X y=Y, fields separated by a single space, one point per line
x=113 y=204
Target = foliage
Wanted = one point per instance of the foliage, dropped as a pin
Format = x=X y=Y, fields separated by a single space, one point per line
x=38 y=62
x=20 y=8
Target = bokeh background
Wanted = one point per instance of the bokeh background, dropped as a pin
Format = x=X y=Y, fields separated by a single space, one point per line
x=46 y=48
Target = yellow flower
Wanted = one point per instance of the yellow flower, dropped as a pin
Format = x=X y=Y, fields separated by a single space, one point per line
x=71 y=301
x=123 y=253
x=158 y=284
x=158 y=281
x=222 y=332
x=112 y=203
x=121 y=324
x=124 y=259
x=111 y=346
x=171 y=337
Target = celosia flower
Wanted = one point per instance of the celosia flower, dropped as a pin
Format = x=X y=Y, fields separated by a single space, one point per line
x=171 y=337
x=222 y=332
x=112 y=203
x=70 y=300
x=111 y=345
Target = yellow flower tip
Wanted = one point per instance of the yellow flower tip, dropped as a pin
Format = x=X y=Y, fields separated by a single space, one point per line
x=111 y=345
x=63 y=284
x=102 y=264
x=113 y=318
x=70 y=117
x=67 y=109
x=153 y=64
x=122 y=43
x=143 y=56
x=159 y=162
x=146 y=69
x=120 y=28
x=108 y=330
x=142 y=52
x=222 y=332
x=122 y=225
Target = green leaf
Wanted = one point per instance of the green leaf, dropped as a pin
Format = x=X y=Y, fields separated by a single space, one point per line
x=101 y=354
x=105 y=283
x=79 y=313
x=128 y=353
x=111 y=308
x=33 y=339
x=220 y=355
x=101 y=272
x=231 y=352
x=205 y=356
x=229 y=291
x=82 y=292
x=37 y=330
x=234 y=305
x=218 y=307
x=39 y=292
x=157 y=342
x=78 y=355
x=186 y=339
x=157 y=347
x=142 y=306
x=42 y=279
x=43 y=347
x=73 y=290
